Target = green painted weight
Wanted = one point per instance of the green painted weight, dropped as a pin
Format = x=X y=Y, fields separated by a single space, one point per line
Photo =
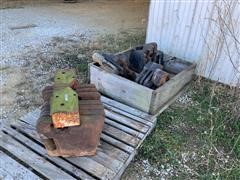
x=64 y=100
x=64 y=77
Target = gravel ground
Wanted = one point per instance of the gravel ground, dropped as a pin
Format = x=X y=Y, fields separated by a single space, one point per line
x=33 y=39
x=30 y=26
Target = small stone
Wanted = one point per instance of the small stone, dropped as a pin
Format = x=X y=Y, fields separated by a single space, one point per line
x=81 y=56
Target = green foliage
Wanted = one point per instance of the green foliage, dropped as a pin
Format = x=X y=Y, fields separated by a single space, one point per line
x=82 y=67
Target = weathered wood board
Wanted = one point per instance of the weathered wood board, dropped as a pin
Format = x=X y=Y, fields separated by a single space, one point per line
x=121 y=89
x=25 y=157
x=170 y=89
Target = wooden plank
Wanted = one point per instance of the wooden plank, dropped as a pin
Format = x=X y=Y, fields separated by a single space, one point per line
x=117 y=143
x=127 y=121
x=81 y=162
x=170 y=89
x=108 y=161
x=101 y=158
x=92 y=167
x=108 y=155
x=11 y=169
x=39 y=149
x=120 y=135
x=130 y=92
x=32 y=117
x=124 y=113
x=32 y=159
x=126 y=108
x=120 y=173
x=124 y=128
x=113 y=151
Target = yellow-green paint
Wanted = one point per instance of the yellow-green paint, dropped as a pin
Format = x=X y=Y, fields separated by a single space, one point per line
x=64 y=76
x=64 y=100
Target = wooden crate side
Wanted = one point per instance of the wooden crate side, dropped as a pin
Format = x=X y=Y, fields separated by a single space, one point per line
x=172 y=100
x=121 y=89
x=163 y=94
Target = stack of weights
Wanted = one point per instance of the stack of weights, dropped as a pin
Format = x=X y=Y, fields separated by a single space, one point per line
x=72 y=117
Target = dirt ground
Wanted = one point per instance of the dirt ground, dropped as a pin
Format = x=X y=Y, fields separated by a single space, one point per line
x=27 y=33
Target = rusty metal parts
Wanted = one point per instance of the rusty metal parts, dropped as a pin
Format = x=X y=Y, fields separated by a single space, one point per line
x=141 y=64
x=77 y=140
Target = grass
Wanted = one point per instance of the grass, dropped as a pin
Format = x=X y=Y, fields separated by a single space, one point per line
x=206 y=126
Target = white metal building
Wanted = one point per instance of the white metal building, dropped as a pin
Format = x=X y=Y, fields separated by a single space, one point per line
x=202 y=31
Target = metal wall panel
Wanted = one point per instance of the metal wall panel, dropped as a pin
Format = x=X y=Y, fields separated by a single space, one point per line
x=205 y=32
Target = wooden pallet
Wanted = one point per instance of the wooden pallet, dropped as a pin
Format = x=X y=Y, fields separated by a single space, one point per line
x=24 y=157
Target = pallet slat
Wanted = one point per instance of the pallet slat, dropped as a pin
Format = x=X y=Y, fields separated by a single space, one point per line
x=124 y=128
x=11 y=169
x=31 y=118
x=108 y=162
x=113 y=151
x=93 y=167
x=120 y=135
x=117 y=143
x=39 y=149
x=37 y=162
x=127 y=121
x=124 y=113
x=126 y=108
x=100 y=160
x=104 y=147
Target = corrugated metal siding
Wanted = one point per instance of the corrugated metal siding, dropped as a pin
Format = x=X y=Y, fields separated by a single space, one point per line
x=199 y=31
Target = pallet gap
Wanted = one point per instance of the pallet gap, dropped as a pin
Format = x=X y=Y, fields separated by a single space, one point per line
x=24 y=121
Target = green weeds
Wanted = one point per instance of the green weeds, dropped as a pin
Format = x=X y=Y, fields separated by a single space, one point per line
x=206 y=126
